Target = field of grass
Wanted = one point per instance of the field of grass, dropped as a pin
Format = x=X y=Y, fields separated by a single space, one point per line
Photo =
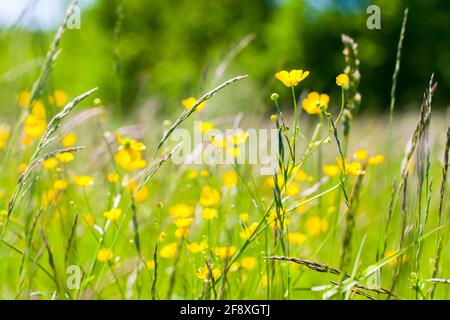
x=93 y=206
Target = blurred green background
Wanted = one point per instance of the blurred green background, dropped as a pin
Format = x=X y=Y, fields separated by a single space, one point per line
x=138 y=51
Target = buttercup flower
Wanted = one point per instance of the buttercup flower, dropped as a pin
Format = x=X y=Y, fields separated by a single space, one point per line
x=342 y=80
x=204 y=274
x=314 y=102
x=59 y=98
x=4 y=135
x=104 y=254
x=23 y=98
x=196 y=247
x=50 y=163
x=376 y=160
x=296 y=238
x=69 y=140
x=188 y=103
x=113 y=214
x=60 y=184
x=330 y=170
x=361 y=154
x=315 y=225
x=292 y=78
x=83 y=181
x=249 y=263
x=225 y=252
x=65 y=157
x=209 y=197
x=113 y=177
x=129 y=155
x=209 y=213
x=248 y=232
x=205 y=127
x=230 y=179
x=181 y=211
x=168 y=251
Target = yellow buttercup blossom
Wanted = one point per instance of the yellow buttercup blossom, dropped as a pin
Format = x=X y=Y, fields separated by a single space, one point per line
x=351 y=169
x=302 y=207
x=209 y=213
x=188 y=103
x=60 y=184
x=204 y=274
x=233 y=151
x=192 y=174
x=150 y=264
x=300 y=175
x=315 y=102
x=244 y=217
x=59 y=98
x=181 y=233
x=65 y=157
x=104 y=254
x=361 y=154
x=230 y=179
x=34 y=126
x=205 y=127
x=331 y=170
x=69 y=140
x=291 y=78
x=196 y=247
x=204 y=173
x=292 y=189
x=83 y=181
x=89 y=218
x=168 y=251
x=249 y=263
x=394 y=261
x=50 y=163
x=181 y=211
x=376 y=160
x=315 y=225
x=129 y=155
x=219 y=142
x=113 y=214
x=238 y=138
x=22 y=167
x=248 y=232
x=162 y=236
x=296 y=238
x=140 y=195
x=225 y=252
x=4 y=135
x=23 y=98
x=113 y=177
x=342 y=80
x=183 y=222
x=264 y=281
x=209 y=197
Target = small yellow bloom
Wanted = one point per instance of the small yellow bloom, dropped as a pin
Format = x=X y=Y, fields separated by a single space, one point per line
x=38 y=109
x=104 y=254
x=162 y=236
x=196 y=247
x=248 y=232
x=376 y=160
x=59 y=98
x=225 y=252
x=230 y=179
x=302 y=207
x=23 y=98
x=300 y=175
x=150 y=264
x=65 y=157
x=249 y=263
x=331 y=170
x=204 y=173
x=315 y=102
x=113 y=177
x=351 y=169
x=181 y=232
x=140 y=195
x=315 y=225
x=113 y=214
x=83 y=181
x=292 y=78
x=244 y=217
x=89 y=218
x=394 y=261
x=219 y=142
x=264 y=281
x=183 y=222
x=4 y=135
x=342 y=80
x=181 y=211
x=361 y=154
x=168 y=251
x=69 y=140
x=204 y=274
x=60 y=184
x=209 y=213
x=192 y=174
x=238 y=138
x=22 y=167
x=209 y=197
x=34 y=126
x=188 y=103
x=296 y=238
x=50 y=163
x=129 y=154
x=292 y=189
x=205 y=127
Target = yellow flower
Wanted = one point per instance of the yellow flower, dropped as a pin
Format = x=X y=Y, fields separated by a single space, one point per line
x=181 y=232
x=181 y=211
x=248 y=263
x=23 y=98
x=183 y=222
x=113 y=214
x=168 y=251
x=196 y=247
x=89 y=218
x=233 y=151
x=225 y=252
x=188 y=103
x=140 y=195
x=314 y=102
x=65 y=157
x=303 y=207
x=342 y=80
x=203 y=273
x=50 y=163
x=60 y=184
x=129 y=155
x=205 y=127
x=4 y=135
x=264 y=281
x=394 y=261
x=238 y=138
x=192 y=174
x=230 y=179
x=83 y=181
x=34 y=126
x=59 y=98
x=204 y=173
x=376 y=160
x=209 y=197
x=150 y=264
x=244 y=217
x=315 y=225
x=292 y=189
x=162 y=236
x=351 y=169
x=296 y=238
x=331 y=170
x=209 y=213
x=22 y=167
x=248 y=232
x=361 y=154
x=219 y=143
x=113 y=177
x=104 y=254
x=69 y=140
x=300 y=175
x=292 y=78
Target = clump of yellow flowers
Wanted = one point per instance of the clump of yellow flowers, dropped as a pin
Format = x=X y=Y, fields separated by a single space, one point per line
x=129 y=154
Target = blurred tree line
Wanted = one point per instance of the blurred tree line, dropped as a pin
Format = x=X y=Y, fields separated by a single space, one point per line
x=168 y=48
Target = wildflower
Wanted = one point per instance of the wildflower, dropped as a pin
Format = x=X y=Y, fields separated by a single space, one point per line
x=192 y=174
x=292 y=78
x=233 y=151
x=22 y=167
x=34 y=126
x=229 y=179
x=181 y=211
x=23 y=98
x=394 y=261
x=204 y=173
x=50 y=163
x=113 y=177
x=113 y=214
x=69 y=140
x=183 y=222
x=181 y=232
x=244 y=217
x=140 y=195
x=225 y=252
x=129 y=155
x=315 y=102
x=205 y=127
x=351 y=169
x=196 y=247
x=4 y=135
x=361 y=154
x=238 y=138
x=188 y=103
x=302 y=207
x=104 y=254
x=83 y=181
x=59 y=98
x=342 y=80
x=292 y=189
x=273 y=118
x=296 y=238
x=209 y=197
x=209 y=213
x=248 y=263
x=264 y=281
x=49 y=197
x=300 y=175
x=60 y=184
x=331 y=170
x=162 y=236
x=204 y=274
x=376 y=160
x=218 y=142
x=65 y=157
x=248 y=232
x=150 y=264
x=315 y=225
x=89 y=218
x=168 y=251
